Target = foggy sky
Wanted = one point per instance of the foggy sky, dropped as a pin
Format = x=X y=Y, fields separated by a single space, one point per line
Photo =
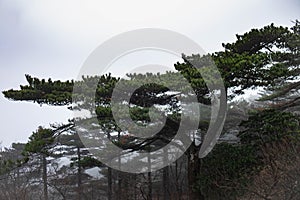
x=53 y=39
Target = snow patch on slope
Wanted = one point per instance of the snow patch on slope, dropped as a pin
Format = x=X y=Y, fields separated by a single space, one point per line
x=94 y=172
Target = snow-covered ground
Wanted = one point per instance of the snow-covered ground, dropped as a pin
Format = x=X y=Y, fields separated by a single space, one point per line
x=94 y=172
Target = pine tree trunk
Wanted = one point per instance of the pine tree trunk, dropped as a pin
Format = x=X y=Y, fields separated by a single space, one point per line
x=166 y=177
x=119 y=186
x=193 y=173
x=166 y=183
x=149 y=186
x=178 y=189
x=149 y=180
x=119 y=196
x=109 y=177
x=45 y=181
x=135 y=193
x=79 y=174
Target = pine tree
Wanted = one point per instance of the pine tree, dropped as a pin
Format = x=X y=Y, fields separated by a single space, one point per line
x=38 y=145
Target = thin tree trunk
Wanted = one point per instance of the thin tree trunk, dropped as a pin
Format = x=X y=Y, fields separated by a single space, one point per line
x=109 y=177
x=149 y=186
x=149 y=179
x=135 y=186
x=79 y=174
x=119 y=186
x=119 y=196
x=166 y=183
x=178 y=184
x=45 y=181
x=166 y=177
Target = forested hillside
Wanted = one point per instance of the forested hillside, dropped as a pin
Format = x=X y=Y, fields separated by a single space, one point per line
x=256 y=157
